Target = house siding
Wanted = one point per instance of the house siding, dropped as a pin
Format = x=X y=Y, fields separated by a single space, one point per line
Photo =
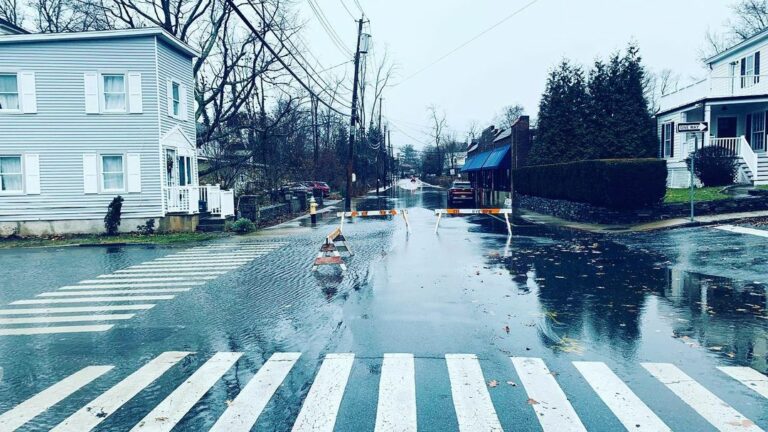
x=61 y=131
x=172 y=65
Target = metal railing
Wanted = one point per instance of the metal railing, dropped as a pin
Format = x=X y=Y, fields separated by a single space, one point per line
x=716 y=86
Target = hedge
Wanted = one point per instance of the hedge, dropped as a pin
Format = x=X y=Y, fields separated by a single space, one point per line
x=610 y=183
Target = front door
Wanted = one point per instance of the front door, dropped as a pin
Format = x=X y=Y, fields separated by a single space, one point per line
x=726 y=127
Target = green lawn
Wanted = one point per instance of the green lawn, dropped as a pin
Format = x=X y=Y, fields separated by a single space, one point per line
x=165 y=239
x=700 y=194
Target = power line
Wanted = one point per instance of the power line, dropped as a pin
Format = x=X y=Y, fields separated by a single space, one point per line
x=478 y=36
x=277 y=57
x=347 y=9
x=328 y=28
x=360 y=8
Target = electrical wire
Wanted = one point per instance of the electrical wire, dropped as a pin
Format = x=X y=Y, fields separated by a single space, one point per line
x=328 y=28
x=269 y=48
x=474 y=38
x=347 y=9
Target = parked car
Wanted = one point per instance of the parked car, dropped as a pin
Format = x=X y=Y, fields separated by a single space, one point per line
x=296 y=187
x=322 y=186
x=461 y=193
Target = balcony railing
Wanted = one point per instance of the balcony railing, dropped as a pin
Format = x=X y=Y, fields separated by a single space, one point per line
x=716 y=87
x=186 y=199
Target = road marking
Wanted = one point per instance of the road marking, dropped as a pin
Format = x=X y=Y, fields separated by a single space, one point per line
x=243 y=412
x=185 y=266
x=105 y=405
x=749 y=377
x=94 y=299
x=625 y=405
x=471 y=400
x=113 y=292
x=64 y=319
x=553 y=410
x=143 y=277
x=49 y=397
x=396 y=411
x=46 y=311
x=742 y=230
x=28 y=331
x=318 y=413
x=148 y=272
x=218 y=255
x=132 y=285
x=173 y=408
x=709 y=406
x=199 y=261
x=141 y=280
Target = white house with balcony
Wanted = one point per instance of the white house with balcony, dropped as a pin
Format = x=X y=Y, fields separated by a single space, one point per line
x=87 y=116
x=733 y=99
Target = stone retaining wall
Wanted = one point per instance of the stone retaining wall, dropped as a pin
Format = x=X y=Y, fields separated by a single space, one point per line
x=581 y=212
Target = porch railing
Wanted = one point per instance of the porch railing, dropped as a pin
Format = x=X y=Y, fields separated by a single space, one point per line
x=181 y=199
x=716 y=86
x=741 y=148
x=732 y=144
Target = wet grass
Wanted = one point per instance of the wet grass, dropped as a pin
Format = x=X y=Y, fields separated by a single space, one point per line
x=160 y=239
x=700 y=195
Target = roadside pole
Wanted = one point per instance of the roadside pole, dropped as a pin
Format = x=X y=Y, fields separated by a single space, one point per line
x=696 y=128
x=353 y=121
x=693 y=177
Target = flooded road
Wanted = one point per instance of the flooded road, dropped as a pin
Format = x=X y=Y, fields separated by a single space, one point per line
x=543 y=330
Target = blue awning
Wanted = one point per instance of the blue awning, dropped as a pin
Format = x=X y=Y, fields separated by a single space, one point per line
x=475 y=162
x=496 y=157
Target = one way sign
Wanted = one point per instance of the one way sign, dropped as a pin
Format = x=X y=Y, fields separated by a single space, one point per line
x=692 y=127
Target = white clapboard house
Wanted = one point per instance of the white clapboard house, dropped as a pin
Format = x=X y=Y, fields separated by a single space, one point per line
x=733 y=99
x=87 y=116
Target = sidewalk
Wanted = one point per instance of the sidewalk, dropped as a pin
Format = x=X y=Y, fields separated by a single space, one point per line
x=541 y=219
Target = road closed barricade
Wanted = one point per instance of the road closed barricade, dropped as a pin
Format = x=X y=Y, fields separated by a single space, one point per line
x=330 y=250
x=372 y=213
x=485 y=211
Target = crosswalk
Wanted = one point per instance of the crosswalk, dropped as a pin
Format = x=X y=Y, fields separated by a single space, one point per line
x=742 y=230
x=133 y=289
x=396 y=409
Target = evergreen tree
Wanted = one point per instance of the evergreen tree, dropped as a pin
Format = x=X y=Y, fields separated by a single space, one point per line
x=636 y=135
x=562 y=129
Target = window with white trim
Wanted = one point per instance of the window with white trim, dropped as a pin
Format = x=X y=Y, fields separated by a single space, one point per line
x=11 y=177
x=112 y=173
x=750 y=70
x=668 y=138
x=113 y=92
x=758 y=131
x=176 y=98
x=9 y=92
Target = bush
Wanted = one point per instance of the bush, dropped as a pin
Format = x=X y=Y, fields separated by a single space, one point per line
x=715 y=166
x=114 y=213
x=611 y=183
x=148 y=228
x=241 y=226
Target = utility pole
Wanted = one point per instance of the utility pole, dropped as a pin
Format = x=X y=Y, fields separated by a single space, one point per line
x=353 y=121
x=314 y=136
x=378 y=151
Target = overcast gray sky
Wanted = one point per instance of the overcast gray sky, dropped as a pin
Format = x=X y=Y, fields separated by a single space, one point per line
x=509 y=64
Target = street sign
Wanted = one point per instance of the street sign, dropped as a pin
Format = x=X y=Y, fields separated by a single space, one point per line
x=692 y=127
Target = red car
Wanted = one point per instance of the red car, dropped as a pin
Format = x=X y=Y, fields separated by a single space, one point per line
x=322 y=186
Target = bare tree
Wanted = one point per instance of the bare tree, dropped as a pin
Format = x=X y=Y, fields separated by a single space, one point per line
x=439 y=124
x=385 y=70
x=11 y=11
x=509 y=115
x=749 y=18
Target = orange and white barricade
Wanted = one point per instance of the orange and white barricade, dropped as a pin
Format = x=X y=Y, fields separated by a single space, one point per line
x=329 y=251
x=371 y=213
x=487 y=211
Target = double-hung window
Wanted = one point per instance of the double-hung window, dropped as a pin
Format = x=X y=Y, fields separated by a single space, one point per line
x=758 y=131
x=9 y=92
x=176 y=98
x=750 y=70
x=114 y=92
x=112 y=173
x=668 y=138
x=10 y=174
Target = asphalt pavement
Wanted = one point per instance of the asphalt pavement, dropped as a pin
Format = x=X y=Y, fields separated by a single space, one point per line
x=464 y=329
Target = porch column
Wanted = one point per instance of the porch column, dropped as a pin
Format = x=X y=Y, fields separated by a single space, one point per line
x=708 y=119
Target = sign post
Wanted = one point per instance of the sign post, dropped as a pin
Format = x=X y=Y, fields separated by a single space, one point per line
x=695 y=128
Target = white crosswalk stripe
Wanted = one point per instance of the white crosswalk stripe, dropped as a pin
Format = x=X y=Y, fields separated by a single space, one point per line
x=243 y=412
x=627 y=407
x=93 y=299
x=553 y=410
x=141 y=280
x=142 y=277
x=749 y=377
x=36 y=405
x=105 y=405
x=78 y=309
x=396 y=410
x=742 y=230
x=318 y=413
x=113 y=292
x=171 y=410
x=65 y=319
x=131 y=285
x=721 y=415
x=473 y=405
x=149 y=272
x=28 y=331
x=161 y=267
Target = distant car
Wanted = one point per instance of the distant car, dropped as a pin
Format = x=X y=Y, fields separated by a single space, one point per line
x=461 y=193
x=322 y=186
x=296 y=187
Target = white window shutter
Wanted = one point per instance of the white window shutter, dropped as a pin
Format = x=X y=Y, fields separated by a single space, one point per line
x=183 y=102
x=169 y=97
x=91 y=93
x=32 y=174
x=28 y=92
x=91 y=173
x=134 y=172
x=134 y=88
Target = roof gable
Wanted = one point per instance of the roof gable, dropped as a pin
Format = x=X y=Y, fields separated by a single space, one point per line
x=744 y=45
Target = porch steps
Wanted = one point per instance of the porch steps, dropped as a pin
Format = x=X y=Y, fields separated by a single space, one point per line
x=209 y=223
x=762 y=170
